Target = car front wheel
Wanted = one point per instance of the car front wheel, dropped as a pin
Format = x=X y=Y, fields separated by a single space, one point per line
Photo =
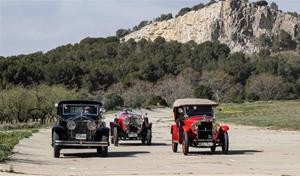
x=174 y=146
x=104 y=150
x=149 y=136
x=185 y=143
x=56 y=148
x=225 y=143
x=116 y=140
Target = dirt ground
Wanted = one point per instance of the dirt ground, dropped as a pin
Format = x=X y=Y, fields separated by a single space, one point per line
x=253 y=151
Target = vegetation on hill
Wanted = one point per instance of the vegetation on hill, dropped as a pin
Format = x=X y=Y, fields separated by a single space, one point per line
x=136 y=71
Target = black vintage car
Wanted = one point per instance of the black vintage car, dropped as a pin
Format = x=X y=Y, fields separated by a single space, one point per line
x=80 y=124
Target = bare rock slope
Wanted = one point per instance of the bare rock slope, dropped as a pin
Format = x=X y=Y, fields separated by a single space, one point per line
x=236 y=23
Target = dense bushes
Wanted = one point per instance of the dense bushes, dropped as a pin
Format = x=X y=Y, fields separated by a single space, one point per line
x=112 y=101
x=18 y=104
x=203 y=91
x=156 y=101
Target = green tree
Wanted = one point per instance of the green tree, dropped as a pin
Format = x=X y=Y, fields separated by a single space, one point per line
x=112 y=101
x=203 y=91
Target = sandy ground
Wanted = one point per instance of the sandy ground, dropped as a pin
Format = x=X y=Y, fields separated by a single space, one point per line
x=253 y=151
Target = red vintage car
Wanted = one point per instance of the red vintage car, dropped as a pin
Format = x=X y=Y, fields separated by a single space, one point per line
x=131 y=126
x=196 y=126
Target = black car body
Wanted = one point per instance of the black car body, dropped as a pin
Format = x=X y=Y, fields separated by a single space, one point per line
x=80 y=124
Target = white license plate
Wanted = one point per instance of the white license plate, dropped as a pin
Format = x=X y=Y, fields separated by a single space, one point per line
x=80 y=136
x=132 y=135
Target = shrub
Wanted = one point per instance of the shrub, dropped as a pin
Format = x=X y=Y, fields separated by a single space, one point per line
x=251 y=96
x=203 y=91
x=157 y=101
x=112 y=101
x=261 y=3
x=183 y=11
x=197 y=7
x=122 y=32
x=265 y=86
x=283 y=41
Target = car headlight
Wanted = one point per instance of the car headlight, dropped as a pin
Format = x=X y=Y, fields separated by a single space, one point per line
x=126 y=121
x=91 y=125
x=71 y=125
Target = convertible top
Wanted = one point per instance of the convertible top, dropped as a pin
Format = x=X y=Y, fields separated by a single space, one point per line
x=79 y=102
x=194 y=101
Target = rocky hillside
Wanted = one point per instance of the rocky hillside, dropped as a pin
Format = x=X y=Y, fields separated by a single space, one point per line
x=237 y=23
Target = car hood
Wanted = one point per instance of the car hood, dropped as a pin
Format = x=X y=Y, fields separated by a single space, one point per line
x=192 y=119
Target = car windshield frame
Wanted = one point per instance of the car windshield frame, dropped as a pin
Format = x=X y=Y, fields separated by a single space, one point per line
x=82 y=112
x=189 y=108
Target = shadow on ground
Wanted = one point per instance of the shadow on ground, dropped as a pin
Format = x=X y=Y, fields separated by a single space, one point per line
x=110 y=154
x=140 y=144
x=230 y=152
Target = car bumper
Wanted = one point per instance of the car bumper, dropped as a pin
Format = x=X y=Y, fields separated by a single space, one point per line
x=81 y=143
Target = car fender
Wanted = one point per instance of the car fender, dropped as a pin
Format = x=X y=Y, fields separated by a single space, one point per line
x=60 y=130
x=186 y=128
x=174 y=132
x=224 y=128
x=100 y=132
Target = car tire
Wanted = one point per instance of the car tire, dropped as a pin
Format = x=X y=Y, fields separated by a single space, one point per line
x=99 y=150
x=115 y=136
x=104 y=149
x=143 y=140
x=174 y=146
x=112 y=140
x=213 y=148
x=149 y=137
x=225 y=143
x=56 y=149
x=185 y=143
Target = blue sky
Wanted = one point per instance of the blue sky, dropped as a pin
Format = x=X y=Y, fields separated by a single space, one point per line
x=28 y=26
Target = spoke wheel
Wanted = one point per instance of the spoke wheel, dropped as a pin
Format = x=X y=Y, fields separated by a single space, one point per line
x=116 y=138
x=174 y=146
x=225 y=143
x=185 y=143
x=56 y=149
x=104 y=149
x=149 y=137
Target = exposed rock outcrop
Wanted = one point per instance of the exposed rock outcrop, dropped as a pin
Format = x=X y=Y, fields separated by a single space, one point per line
x=236 y=23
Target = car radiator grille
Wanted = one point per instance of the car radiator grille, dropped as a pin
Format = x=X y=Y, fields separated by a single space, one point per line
x=205 y=131
x=81 y=128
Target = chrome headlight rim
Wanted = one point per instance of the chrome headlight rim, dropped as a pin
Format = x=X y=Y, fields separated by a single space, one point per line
x=71 y=125
x=126 y=121
x=91 y=125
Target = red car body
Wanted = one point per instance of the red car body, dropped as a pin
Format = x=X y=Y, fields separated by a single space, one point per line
x=131 y=126
x=196 y=126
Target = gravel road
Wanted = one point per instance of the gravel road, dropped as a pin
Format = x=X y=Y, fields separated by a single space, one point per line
x=253 y=151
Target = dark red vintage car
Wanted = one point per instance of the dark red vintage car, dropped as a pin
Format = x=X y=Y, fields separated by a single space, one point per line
x=131 y=126
x=196 y=126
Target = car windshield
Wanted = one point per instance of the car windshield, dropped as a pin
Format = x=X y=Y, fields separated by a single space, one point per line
x=199 y=110
x=77 y=109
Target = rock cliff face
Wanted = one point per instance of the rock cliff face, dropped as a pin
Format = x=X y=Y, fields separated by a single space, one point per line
x=236 y=23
